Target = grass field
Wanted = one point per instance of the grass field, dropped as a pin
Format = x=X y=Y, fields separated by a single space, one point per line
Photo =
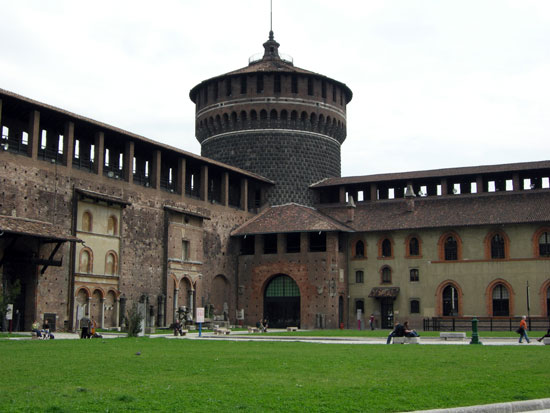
x=204 y=376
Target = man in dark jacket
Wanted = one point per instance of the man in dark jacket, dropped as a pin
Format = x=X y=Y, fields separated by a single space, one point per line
x=398 y=331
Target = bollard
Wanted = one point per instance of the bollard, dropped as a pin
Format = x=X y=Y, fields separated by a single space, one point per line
x=475 y=337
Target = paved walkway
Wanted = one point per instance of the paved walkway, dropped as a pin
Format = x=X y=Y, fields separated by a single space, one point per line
x=245 y=336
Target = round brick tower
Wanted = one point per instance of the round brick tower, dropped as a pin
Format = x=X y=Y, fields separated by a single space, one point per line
x=276 y=120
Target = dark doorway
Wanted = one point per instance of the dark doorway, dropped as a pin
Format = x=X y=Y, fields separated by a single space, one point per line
x=282 y=302
x=386 y=312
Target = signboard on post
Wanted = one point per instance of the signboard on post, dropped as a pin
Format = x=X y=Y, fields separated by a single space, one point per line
x=9 y=312
x=200 y=319
x=200 y=314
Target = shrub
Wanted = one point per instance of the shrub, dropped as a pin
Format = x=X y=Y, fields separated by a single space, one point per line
x=133 y=321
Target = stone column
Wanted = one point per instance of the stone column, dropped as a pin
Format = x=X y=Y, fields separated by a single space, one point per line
x=180 y=178
x=99 y=153
x=117 y=312
x=225 y=189
x=244 y=194
x=155 y=169
x=68 y=144
x=88 y=306
x=191 y=296
x=176 y=291
x=102 y=321
x=204 y=183
x=129 y=162
x=34 y=134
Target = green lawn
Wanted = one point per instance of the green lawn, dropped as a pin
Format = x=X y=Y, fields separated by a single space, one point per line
x=204 y=376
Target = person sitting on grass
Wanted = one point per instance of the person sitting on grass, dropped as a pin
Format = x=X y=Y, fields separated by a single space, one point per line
x=398 y=331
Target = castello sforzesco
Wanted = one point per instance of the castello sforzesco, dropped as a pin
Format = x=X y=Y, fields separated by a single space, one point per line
x=95 y=219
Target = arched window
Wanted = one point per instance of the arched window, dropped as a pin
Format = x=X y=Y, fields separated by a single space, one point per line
x=110 y=263
x=386 y=248
x=87 y=221
x=450 y=301
x=359 y=279
x=451 y=249
x=501 y=301
x=85 y=261
x=544 y=244
x=497 y=247
x=414 y=247
x=359 y=249
x=112 y=227
x=386 y=275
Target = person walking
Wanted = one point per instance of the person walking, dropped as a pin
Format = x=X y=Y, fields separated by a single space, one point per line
x=544 y=336
x=522 y=330
x=371 y=321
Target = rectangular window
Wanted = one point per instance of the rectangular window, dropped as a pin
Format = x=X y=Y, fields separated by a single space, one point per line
x=334 y=93
x=324 y=89
x=310 y=86
x=260 y=83
x=294 y=84
x=415 y=306
x=317 y=241
x=185 y=250
x=243 y=85
x=215 y=90
x=228 y=87
x=414 y=275
x=247 y=245
x=270 y=244
x=293 y=242
x=359 y=277
x=277 y=83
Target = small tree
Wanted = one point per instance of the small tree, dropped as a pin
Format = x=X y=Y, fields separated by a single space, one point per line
x=133 y=321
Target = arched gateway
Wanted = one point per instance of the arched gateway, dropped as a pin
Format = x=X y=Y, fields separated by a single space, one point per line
x=282 y=302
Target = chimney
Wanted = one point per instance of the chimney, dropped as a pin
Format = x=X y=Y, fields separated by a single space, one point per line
x=409 y=198
x=351 y=209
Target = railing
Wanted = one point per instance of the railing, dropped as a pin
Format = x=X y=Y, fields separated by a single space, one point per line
x=48 y=154
x=12 y=144
x=84 y=164
x=256 y=57
x=168 y=185
x=113 y=172
x=142 y=179
x=483 y=323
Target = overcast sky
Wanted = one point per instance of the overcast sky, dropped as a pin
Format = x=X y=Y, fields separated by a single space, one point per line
x=436 y=83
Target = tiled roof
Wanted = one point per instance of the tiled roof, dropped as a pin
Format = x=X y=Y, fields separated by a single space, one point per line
x=380 y=292
x=434 y=173
x=33 y=228
x=449 y=211
x=289 y=218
